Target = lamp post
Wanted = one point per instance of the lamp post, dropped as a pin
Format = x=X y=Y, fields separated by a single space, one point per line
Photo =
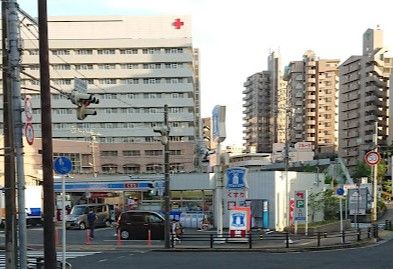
x=164 y=132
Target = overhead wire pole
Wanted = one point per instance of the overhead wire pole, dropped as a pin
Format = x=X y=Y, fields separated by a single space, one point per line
x=9 y=160
x=14 y=71
x=47 y=151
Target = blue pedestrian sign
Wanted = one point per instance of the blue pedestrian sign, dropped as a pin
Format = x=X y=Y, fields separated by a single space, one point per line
x=63 y=165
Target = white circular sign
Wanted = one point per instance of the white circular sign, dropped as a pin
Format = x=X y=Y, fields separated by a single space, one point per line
x=372 y=157
x=28 y=109
x=29 y=133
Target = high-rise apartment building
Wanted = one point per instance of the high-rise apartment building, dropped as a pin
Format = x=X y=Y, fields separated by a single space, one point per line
x=364 y=94
x=134 y=66
x=312 y=100
x=264 y=116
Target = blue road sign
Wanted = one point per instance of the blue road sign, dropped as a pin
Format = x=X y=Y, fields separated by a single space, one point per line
x=340 y=191
x=63 y=165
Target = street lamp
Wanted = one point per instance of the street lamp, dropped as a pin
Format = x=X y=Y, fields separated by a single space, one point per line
x=164 y=132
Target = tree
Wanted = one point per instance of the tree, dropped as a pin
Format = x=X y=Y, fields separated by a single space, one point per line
x=361 y=170
x=331 y=205
x=314 y=204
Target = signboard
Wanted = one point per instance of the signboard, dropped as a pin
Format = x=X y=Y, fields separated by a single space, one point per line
x=80 y=85
x=63 y=165
x=239 y=222
x=357 y=204
x=372 y=158
x=300 y=210
x=218 y=118
x=105 y=186
x=236 y=178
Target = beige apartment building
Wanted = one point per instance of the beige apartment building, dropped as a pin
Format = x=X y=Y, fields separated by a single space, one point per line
x=312 y=91
x=134 y=66
x=364 y=99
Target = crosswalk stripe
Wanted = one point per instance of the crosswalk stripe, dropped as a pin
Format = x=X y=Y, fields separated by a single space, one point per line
x=32 y=256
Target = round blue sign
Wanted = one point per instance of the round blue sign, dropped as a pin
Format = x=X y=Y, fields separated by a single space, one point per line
x=340 y=191
x=63 y=165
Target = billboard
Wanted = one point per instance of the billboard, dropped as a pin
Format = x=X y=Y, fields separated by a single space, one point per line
x=218 y=118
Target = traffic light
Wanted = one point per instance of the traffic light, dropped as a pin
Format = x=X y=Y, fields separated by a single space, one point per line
x=83 y=100
x=164 y=131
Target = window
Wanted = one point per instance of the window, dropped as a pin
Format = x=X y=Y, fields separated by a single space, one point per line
x=131 y=168
x=129 y=51
x=83 y=66
x=108 y=153
x=153 y=168
x=106 y=66
x=129 y=66
x=61 y=67
x=109 y=168
x=151 y=81
x=62 y=81
x=106 y=51
x=84 y=52
x=107 y=81
x=151 y=51
x=174 y=50
x=131 y=153
x=153 y=152
x=61 y=52
x=129 y=81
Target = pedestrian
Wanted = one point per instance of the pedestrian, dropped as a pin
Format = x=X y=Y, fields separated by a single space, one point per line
x=118 y=210
x=177 y=230
x=91 y=218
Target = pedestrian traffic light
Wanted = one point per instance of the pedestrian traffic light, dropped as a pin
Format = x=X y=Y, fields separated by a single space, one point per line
x=83 y=100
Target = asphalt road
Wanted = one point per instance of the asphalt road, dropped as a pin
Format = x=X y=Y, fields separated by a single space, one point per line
x=378 y=256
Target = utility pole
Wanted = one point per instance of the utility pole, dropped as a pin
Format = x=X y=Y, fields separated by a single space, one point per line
x=9 y=158
x=375 y=179
x=93 y=153
x=47 y=151
x=164 y=131
x=14 y=71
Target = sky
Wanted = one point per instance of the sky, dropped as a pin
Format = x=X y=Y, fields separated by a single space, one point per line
x=235 y=37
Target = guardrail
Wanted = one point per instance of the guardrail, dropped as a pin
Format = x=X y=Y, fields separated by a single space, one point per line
x=256 y=239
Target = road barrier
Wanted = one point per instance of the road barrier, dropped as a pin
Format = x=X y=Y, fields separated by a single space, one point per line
x=255 y=239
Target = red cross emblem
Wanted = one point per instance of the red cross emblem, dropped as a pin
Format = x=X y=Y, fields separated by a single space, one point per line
x=178 y=24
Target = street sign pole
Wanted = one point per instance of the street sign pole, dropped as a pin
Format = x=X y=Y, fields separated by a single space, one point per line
x=63 y=166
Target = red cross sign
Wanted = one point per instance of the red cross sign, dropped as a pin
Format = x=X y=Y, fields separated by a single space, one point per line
x=178 y=24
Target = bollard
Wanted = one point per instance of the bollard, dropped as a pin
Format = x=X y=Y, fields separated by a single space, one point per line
x=325 y=234
x=250 y=240
x=211 y=241
x=318 y=239
x=118 y=238
x=287 y=240
x=88 y=241
x=172 y=240
x=375 y=230
x=57 y=237
x=343 y=237
x=359 y=235
x=149 y=237
x=368 y=232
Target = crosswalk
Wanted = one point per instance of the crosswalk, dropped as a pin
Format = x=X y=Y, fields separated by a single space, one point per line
x=33 y=255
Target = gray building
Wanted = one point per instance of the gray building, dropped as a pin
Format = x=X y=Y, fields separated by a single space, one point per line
x=264 y=103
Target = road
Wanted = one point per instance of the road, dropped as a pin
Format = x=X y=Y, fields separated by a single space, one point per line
x=363 y=258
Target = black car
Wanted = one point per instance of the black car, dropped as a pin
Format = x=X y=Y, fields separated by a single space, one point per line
x=136 y=224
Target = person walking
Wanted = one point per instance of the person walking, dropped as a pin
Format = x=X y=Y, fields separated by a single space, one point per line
x=91 y=218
